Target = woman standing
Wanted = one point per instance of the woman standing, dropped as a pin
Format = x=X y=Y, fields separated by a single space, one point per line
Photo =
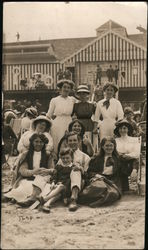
x=84 y=109
x=129 y=151
x=110 y=109
x=61 y=107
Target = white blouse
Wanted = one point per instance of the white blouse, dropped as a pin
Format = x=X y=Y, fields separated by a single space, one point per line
x=114 y=111
x=36 y=159
x=129 y=145
x=24 y=142
x=60 y=106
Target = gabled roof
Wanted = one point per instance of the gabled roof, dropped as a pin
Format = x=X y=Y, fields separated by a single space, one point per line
x=110 y=25
x=64 y=48
x=99 y=38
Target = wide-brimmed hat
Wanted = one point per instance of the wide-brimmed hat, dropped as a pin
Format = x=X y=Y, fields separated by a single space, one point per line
x=32 y=111
x=41 y=118
x=128 y=110
x=120 y=123
x=62 y=81
x=9 y=112
x=106 y=85
x=137 y=113
x=83 y=89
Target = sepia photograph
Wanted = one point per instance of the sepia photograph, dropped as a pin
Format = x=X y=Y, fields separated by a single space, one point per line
x=74 y=105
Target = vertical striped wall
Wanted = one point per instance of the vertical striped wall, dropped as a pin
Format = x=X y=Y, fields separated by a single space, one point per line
x=110 y=47
x=12 y=82
x=135 y=73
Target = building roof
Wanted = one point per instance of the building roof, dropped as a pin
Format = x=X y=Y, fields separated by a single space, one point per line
x=61 y=48
x=110 y=25
x=140 y=39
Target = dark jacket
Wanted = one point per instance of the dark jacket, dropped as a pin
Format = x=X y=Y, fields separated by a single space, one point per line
x=96 y=166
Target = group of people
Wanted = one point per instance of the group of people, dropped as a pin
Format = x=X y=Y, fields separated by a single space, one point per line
x=61 y=155
x=112 y=74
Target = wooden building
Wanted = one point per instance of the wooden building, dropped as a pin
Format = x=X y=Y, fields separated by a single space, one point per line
x=111 y=46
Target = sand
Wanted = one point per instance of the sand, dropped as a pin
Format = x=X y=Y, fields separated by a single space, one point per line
x=120 y=226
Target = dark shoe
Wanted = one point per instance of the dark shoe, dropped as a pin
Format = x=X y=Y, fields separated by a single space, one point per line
x=26 y=203
x=5 y=199
x=73 y=206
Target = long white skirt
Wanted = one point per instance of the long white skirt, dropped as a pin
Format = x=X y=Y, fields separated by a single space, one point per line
x=59 y=126
x=23 y=191
x=25 y=188
x=107 y=127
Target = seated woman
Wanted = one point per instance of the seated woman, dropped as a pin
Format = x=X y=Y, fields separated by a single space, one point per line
x=128 y=150
x=33 y=173
x=84 y=143
x=39 y=125
x=105 y=167
x=9 y=137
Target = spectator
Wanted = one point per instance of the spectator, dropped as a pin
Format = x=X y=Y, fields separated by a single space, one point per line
x=128 y=151
x=110 y=73
x=129 y=114
x=98 y=74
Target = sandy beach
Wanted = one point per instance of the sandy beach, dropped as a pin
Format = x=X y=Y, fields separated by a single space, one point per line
x=120 y=226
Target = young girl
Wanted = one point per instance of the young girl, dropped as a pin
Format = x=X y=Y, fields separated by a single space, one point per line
x=62 y=178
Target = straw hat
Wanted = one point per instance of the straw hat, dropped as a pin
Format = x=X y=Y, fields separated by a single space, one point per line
x=41 y=118
x=128 y=110
x=32 y=111
x=106 y=85
x=83 y=89
x=62 y=81
x=121 y=123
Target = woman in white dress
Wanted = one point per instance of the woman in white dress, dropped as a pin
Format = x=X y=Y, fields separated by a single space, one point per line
x=128 y=148
x=110 y=109
x=35 y=169
x=39 y=125
x=61 y=107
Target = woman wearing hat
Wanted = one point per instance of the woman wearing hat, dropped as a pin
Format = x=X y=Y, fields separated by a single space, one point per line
x=137 y=116
x=128 y=115
x=61 y=107
x=110 y=109
x=30 y=113
x=84 y=109
x=41 y=125
x=129 y=151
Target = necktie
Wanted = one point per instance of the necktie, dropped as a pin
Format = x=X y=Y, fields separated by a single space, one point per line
x=106 y=104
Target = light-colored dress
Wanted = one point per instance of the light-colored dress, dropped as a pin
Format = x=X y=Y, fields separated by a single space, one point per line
x=110 y=116
x=25 y=188
x=24 y=142
x=62 y=108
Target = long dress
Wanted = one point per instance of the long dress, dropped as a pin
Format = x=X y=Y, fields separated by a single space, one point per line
x=84 y=112
x=110 y=116
x=131 y=147
x=62 y=108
